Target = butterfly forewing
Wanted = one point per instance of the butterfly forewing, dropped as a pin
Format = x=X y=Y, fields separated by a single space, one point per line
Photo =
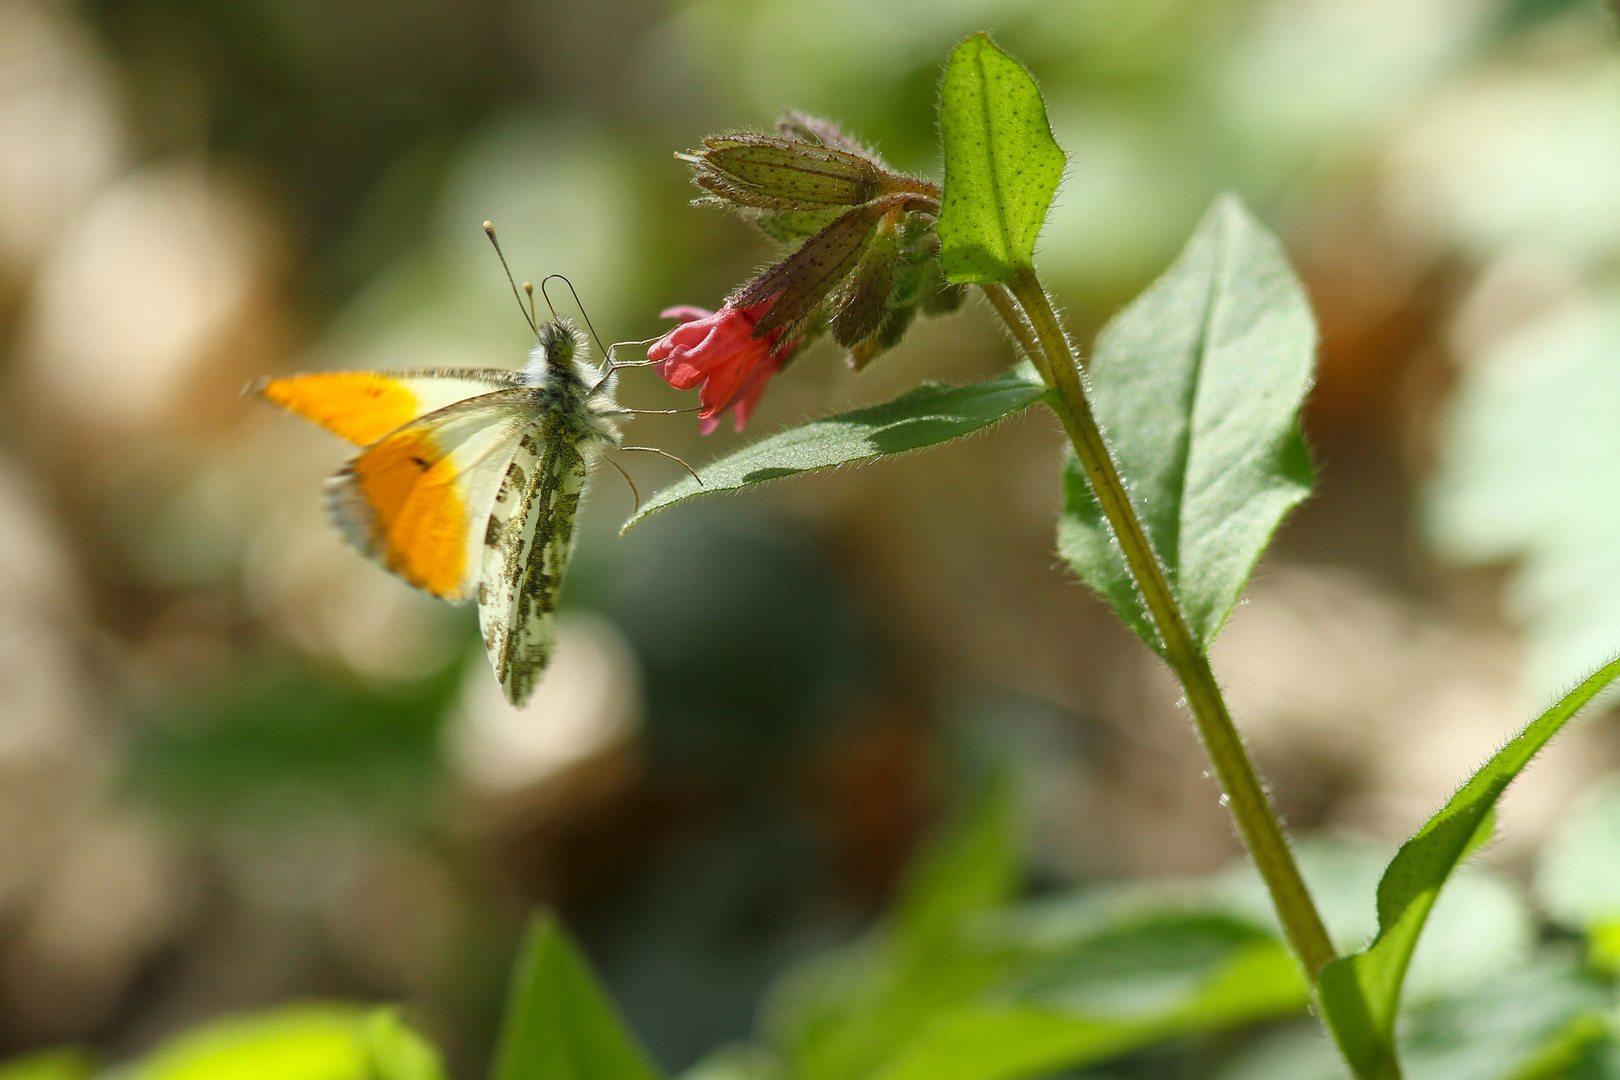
x=527 y=547
x=363 y=406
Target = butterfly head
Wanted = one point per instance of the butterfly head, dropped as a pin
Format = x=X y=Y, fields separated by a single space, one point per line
x=558 y=346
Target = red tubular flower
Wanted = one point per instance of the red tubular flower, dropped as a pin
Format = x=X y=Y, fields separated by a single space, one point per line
x=718 y=352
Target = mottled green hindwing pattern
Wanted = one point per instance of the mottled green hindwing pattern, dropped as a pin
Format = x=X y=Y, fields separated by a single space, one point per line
x=527 y=545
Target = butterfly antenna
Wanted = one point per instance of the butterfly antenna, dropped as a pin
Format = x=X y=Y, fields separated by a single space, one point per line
x=528 y=290
x=489 y=231
x=672 y=457
x=627 y=480
x=577 y=304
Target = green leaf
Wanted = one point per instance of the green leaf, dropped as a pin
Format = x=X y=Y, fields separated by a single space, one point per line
x=306 y=1042
x=1129 y=987
x=959 y=988
x=559 y=1023
x=1360 y=993
x=63 y=1063
x=1480 y=930
x=1534 y=1024
x=1540 y=1023
x=394 y=1052
x=1002 y=165
x=1198 y=385
x=850 y=1014
x=924 y=416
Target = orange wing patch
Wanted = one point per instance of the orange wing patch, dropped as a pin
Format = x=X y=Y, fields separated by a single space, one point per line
x=361 y=406
x=419 y=514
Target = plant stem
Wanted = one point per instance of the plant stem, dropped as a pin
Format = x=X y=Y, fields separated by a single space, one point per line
x=1024 y=306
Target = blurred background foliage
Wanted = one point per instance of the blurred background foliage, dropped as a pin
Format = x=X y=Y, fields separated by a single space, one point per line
x=239 y=766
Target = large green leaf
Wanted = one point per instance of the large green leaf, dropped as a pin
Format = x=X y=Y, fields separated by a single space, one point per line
x=1360 y=993
x=924 y=416
x=1539 y=1023
x=1123 y=989
x=1534 y=1024
x=1002 y=165
x=961 y=987
x=559 y=1023
x=1198 y=385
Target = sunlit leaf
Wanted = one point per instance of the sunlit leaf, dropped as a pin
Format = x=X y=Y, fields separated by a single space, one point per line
x=1198 y=385
x=1360 y=993
x=925 y=416
x=559 y=1023
x=1002 y=165
x=394 y=1052
x=312 y=1042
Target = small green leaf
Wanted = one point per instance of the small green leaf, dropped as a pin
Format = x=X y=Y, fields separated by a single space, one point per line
x=303 y=1042
x=924 y=416
x=559 y=1023
x=1002 y=165
x=394 y=1052
x=1198 y=385
x=63 y=1063
x=1360 y=993
x=974 y=866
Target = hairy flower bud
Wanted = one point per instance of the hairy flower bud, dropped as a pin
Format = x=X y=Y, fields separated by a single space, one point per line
x=866 y=263
x=804 y=279
x=861 y=306
x=770 y=172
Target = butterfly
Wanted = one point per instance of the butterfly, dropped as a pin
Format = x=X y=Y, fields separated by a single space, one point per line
x=470 y=480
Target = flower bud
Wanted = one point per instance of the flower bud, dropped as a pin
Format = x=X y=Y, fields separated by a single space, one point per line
x=771 y=172
x=808 y=276
x=864 y=302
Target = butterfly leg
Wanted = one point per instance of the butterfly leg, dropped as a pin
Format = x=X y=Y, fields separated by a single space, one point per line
x=672 y=457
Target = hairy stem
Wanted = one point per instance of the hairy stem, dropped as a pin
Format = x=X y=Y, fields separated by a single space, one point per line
x=1023 y=305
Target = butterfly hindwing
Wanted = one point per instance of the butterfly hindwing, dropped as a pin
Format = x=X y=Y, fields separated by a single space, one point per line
x=416 y=498
x=528 y=543
x=363 y=406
